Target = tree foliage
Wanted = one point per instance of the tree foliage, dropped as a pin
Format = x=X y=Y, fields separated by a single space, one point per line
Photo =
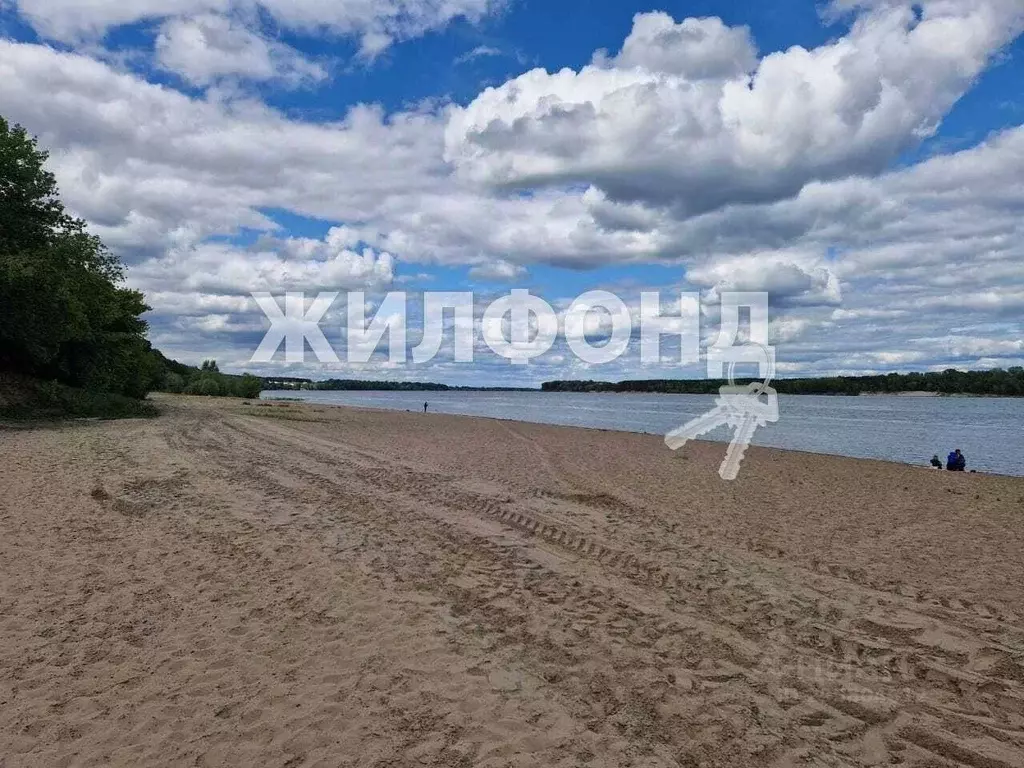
x=66 y=320
x=64 y=312
x=206 y=380
x=995 y=382
x=359 y=385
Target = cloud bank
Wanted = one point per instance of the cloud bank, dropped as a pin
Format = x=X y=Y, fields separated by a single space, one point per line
x=685 y=148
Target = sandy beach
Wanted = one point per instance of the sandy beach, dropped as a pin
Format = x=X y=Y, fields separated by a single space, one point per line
x=289 y=585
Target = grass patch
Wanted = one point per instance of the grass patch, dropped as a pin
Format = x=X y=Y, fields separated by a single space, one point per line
x=268 y=411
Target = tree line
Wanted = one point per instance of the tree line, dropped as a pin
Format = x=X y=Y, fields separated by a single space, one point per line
x=995 y=382
x=65 y=314
x=72 y=337
x=360 y=385
x=206 y=380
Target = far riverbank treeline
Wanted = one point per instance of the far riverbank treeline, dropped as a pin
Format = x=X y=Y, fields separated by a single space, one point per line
x=359 y=385
x=996 y=382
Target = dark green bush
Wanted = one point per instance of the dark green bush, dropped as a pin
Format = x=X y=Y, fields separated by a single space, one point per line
x=53 y=400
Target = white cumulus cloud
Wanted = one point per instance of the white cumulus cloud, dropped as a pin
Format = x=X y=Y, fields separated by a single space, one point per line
x=659 y=131
x=696 y=49
x=377 y=23
x=682 y=149
x=204 y=48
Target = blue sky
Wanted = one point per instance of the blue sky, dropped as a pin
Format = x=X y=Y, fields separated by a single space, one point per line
x=859 y=160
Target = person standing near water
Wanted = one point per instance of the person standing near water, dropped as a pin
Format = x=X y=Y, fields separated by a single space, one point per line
x=425 y=407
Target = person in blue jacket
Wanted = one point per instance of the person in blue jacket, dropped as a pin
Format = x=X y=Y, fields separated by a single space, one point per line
x=956 y=461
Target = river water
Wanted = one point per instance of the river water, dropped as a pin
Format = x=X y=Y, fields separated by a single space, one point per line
x=990 y=431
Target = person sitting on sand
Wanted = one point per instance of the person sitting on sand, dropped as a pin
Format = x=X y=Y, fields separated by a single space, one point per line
x=936 y=462
x=956 y=461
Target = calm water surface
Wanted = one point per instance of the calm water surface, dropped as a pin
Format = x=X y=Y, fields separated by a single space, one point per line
x=990 y=431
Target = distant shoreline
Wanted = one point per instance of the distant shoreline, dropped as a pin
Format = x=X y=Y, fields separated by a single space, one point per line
x=388 y=390
x=949 y=383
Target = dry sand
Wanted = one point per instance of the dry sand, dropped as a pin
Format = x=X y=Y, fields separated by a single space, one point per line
x=291 y=585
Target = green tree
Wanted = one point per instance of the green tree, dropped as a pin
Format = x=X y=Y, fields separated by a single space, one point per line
x=208 y=385
x=173 y=382
x=30 y=211
x=248 y=386
x=64 y=313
